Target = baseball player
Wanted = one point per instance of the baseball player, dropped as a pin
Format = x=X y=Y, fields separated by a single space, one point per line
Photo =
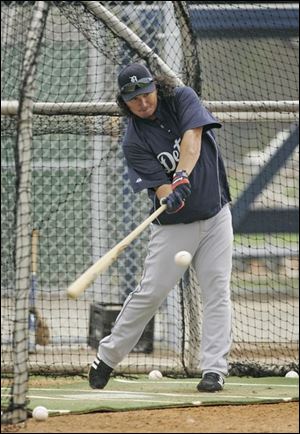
x=171 y=150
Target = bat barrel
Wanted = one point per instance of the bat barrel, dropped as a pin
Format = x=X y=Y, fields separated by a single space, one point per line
x=91 y=274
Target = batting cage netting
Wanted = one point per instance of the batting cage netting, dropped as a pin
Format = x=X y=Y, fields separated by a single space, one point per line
x=66 y=198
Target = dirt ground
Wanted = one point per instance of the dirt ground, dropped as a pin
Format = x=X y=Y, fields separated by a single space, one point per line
x=266 y=418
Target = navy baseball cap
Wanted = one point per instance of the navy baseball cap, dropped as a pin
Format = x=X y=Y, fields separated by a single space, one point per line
x=134 y=80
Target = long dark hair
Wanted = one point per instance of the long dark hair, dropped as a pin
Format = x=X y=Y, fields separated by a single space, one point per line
x=165 y=89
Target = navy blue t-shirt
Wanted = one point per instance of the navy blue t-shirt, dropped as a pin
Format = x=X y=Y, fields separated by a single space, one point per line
x=152 y=150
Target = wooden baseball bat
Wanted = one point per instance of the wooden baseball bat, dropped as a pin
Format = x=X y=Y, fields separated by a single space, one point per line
x=91 y=274
x=41 y=329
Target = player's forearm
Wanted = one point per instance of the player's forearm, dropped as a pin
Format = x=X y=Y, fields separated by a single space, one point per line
x=163 y=191
x=190 y=147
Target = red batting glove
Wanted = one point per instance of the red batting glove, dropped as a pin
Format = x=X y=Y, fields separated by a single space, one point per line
x=181 y=184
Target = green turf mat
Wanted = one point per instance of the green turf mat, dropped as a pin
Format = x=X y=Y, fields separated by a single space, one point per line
x=139 y=392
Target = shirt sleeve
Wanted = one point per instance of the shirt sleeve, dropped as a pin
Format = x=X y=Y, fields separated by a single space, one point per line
x=191 y=112
x=144 y=170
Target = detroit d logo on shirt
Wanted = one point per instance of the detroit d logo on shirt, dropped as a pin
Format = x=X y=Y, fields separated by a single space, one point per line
x=169 y=161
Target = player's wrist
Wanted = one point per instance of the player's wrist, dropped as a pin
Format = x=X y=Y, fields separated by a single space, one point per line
x=181 y=172
x=180 y=177
x=181 y=183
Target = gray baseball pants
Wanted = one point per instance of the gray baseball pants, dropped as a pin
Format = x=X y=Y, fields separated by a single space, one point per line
x=210 y=243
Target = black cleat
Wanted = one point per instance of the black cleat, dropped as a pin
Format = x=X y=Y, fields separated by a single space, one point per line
x=211 y=382
x=99 y=374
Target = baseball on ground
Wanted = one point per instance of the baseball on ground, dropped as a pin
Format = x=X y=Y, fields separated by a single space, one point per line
x=292 y=374
x=183 y=258
x=40 y=413
x=155 y=375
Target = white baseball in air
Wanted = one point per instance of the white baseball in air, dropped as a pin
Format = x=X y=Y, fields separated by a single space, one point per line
x=183 y=258
x=155 y=375
x=40 y=413
x=292 y=374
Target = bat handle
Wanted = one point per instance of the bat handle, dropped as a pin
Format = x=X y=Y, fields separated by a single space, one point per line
x=34 y=249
